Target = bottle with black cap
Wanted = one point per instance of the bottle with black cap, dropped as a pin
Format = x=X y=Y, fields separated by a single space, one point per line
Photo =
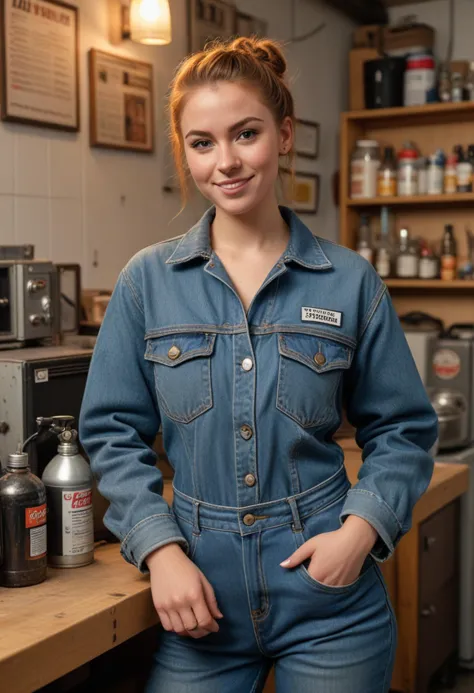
x=23 y=559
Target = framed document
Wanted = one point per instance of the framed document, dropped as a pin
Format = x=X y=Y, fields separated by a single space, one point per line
x=209 y=20
x=39 y=63
x=307 y=139
x=303 y=195
x=121 y=102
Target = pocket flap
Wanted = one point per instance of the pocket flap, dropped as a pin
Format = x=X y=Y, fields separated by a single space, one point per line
x=318 y=353
x=172 y=350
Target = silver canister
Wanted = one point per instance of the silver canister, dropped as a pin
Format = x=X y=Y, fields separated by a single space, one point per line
x=68 y=482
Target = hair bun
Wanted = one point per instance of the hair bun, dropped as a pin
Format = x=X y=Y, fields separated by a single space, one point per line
x=263 y=49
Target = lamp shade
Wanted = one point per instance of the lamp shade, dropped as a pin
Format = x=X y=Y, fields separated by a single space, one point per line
x=150 y=22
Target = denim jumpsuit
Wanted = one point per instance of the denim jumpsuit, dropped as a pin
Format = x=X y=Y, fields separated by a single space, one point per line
x=248 y=403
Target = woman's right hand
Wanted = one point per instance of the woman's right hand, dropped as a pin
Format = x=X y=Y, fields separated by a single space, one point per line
x=182 y=595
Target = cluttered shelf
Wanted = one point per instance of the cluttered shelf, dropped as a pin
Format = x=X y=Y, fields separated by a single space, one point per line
x=431 y=284
x=413 y=115
x=414 y=200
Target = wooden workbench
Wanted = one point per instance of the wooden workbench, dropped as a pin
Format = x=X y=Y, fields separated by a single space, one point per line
x=76 y=615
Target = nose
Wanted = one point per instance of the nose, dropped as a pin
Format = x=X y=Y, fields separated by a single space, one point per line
x=229 y=161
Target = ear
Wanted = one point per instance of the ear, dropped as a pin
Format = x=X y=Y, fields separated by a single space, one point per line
x=286 y=135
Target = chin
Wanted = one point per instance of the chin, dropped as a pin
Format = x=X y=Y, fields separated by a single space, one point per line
x=237 y=206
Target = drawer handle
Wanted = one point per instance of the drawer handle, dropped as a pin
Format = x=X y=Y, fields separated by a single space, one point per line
x=428 y=542
x=429 y=611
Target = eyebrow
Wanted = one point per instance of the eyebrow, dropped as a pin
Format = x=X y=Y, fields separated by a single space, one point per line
x=236 y=126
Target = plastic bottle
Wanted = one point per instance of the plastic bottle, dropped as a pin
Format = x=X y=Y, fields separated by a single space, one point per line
x=463 y=173
x=387 y=174
x=408 y=170
x=450 y=175
x=23 y=510
x=448 y=254
x=436 y=173
x=469 y=86
x=364 y=239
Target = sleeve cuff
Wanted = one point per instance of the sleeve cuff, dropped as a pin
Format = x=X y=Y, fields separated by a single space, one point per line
x=148 y=535
x=374 y=510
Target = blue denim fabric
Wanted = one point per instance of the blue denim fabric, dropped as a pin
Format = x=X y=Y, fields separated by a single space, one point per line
x=171 y=350
x=320 y=639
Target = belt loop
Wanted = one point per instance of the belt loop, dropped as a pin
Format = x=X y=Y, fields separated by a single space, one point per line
x=296 y=526
x=196 y=525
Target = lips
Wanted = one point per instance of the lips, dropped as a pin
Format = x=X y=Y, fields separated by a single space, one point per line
x=233 y=184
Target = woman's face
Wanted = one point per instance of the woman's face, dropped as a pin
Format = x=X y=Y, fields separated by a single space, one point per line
x=232 y=145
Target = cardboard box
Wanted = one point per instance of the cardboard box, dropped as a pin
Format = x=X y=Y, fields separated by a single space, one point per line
x=399 y=39
x=357 y=58
x=368 y=36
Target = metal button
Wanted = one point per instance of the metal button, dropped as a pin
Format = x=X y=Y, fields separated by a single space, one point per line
x=247 y=364
x=250 y=479
x=320 y=359
x=248 y=520
x=174 y=352
x=246 y=432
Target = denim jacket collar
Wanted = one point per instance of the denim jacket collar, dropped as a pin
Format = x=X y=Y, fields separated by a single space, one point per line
x=303 y=247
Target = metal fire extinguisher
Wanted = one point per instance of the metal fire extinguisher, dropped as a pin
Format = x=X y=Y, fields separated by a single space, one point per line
x=68 y=481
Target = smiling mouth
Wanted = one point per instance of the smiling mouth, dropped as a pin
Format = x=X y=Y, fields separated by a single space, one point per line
x=236 y=185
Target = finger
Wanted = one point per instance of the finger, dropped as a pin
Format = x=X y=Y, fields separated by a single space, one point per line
x=164 y=619
x=300 y=555
x=204 y=616
x=188 y=618
x=176 y=622
x=210 y=597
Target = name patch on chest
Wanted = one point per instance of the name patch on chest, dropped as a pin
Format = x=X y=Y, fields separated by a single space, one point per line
x=329 y=317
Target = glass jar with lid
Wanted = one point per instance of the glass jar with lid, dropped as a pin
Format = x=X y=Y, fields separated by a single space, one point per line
x=407 y=260
x=365 y=163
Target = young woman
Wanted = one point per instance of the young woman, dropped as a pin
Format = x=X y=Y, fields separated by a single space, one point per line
x=243 y=338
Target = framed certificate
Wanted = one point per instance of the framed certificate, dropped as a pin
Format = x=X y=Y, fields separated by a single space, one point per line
x=121 y=102
x=39 y=63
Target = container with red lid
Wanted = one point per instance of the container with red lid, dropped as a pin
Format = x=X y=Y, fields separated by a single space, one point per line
x=420 y=80
x=407 y=178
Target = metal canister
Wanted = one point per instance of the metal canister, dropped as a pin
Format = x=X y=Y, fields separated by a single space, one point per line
x=68 y=482
x=23 y=516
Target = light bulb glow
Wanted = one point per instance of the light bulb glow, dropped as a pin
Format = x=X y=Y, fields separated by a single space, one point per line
x=150 y=22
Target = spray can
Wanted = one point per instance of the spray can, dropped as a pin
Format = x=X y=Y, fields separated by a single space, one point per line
x=23 y=559
x=68 y=482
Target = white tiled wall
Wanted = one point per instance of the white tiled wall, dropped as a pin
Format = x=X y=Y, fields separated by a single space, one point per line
x=98 y=207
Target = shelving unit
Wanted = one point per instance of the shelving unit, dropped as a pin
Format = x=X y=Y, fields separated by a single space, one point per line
x=431 y=127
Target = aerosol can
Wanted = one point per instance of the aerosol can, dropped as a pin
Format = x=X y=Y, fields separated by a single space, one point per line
x=23 y=516
x=68 y=482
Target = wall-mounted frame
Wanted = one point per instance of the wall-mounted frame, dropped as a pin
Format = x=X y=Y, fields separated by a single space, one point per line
x=303 y=196
x=39 y=63
x=307 y=134
x=247 y=25
x=121 y=102
x=209 y=20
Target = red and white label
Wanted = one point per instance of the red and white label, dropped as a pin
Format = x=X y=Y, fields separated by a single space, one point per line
x=446 y=364
x=35 y=522
x=34 y=517
x=78 y=522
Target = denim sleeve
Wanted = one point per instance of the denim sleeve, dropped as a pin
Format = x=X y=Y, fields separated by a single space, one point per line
x=396 y=427
x=118 y=423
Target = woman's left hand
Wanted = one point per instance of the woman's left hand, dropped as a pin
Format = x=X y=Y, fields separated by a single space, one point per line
x=336 y=557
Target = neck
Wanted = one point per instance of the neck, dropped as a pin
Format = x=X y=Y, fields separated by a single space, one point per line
x=261 y=229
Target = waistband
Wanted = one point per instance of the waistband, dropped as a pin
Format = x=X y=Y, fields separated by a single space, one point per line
x=261 y=516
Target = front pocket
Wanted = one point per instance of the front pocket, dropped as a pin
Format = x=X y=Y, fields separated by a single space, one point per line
x=309 y=375
x=322 y=522
x=182 y=366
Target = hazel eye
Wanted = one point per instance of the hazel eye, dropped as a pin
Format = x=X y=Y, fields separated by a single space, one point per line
x=252 y=133
x=195 y=145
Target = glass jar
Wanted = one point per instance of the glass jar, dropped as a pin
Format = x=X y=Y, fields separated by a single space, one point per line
x=365 y=163
x=407 y=259
x=408 y=171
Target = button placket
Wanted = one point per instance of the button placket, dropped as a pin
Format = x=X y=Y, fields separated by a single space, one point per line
x=244 y=412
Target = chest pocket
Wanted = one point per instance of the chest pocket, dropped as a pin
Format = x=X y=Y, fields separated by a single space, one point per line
x=182 y=373
x=310 y=371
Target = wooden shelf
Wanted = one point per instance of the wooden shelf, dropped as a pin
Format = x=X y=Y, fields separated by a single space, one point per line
x=413 y=115
x=434 y=284
x=414 y=200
